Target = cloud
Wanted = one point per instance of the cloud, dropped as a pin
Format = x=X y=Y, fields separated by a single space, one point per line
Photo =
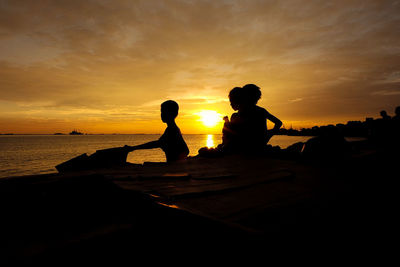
x=386 y=93
x=295 y=100
x=119 y=57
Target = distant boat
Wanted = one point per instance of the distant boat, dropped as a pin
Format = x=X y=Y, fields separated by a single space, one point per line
x=75 y=132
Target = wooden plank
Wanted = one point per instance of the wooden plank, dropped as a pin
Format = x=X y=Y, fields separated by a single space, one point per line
x=170 y=189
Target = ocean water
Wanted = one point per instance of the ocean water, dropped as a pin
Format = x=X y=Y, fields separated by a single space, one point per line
x=39 y=154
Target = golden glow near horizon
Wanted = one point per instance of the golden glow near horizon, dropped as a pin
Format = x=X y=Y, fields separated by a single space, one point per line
x=210 y=141
x=210 y=118
x=106 y=66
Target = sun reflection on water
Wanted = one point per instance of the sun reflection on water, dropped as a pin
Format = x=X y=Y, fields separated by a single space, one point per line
x=210 y=140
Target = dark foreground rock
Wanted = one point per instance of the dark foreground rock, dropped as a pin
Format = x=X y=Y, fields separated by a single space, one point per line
x=203 y=207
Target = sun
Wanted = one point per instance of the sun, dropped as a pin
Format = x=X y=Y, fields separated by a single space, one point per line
x=210 y=118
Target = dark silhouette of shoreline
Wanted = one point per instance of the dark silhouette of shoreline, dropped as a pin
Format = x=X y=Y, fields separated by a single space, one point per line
x=365 y=128
x=75 y=132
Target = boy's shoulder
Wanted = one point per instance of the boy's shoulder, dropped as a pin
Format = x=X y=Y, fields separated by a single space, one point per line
x=261 y=110
x=171 y=130
x=235 y=115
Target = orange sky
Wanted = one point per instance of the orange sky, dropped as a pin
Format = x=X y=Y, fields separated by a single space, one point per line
x=106 y=66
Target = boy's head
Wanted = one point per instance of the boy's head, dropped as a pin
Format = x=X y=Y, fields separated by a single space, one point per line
x=251 y=94
x=235 y=97
x=169 y=110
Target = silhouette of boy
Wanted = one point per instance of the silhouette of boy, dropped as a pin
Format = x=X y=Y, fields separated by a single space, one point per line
x=395 y=133
x=397 y=114
x=384 y=115
x=248 y=127
x=171 y=142
x=229 y=134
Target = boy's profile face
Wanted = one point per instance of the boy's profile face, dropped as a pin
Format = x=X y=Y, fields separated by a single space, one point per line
x=169 y=110
x=167 y=115
x=234 y=97
x=234 y=105
x=164 y=115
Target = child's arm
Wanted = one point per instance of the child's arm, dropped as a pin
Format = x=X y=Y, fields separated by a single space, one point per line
x=277 y=125
x=275 y=120
x=149 y=145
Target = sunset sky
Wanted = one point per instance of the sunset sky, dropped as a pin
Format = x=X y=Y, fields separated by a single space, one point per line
x=106 y=66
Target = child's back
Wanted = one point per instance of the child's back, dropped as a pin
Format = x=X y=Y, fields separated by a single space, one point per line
x=173 y=145
x=253 y=127
x=254 y=118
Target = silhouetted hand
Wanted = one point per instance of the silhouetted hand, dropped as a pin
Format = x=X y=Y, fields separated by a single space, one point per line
x=226 y=119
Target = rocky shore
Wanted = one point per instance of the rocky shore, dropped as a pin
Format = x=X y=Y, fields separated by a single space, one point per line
x=235 y=203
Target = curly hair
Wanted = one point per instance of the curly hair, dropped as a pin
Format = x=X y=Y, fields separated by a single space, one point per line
x=251 y=93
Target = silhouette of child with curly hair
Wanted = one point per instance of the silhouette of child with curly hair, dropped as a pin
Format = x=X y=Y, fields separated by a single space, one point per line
x=247 y=130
